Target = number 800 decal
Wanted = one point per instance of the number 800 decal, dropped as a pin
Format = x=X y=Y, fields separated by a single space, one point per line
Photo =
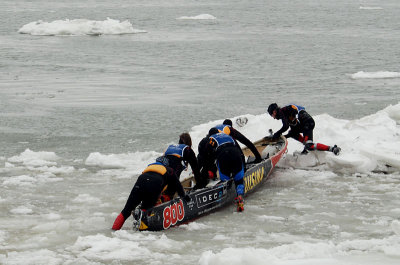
x=173 y=213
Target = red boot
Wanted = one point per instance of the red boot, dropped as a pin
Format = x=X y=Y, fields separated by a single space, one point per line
x=239 y=203
x=119 y=222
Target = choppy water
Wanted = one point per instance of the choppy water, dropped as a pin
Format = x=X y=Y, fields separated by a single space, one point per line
x=81 y=116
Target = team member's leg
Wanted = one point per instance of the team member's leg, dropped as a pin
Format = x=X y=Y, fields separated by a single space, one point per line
x=230 y=165
x=133 y=200
x=238 y=178
x=230 y=161
x=294 y=133
x=147 y=189
x=308 y=140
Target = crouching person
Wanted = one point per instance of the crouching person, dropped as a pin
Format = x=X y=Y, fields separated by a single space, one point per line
x=147 y=189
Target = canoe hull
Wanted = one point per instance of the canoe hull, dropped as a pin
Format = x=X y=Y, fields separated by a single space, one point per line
x=203 y=201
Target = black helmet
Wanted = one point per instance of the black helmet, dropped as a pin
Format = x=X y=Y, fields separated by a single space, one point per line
x=213 y=131
x=272 y=107
x=227 y=122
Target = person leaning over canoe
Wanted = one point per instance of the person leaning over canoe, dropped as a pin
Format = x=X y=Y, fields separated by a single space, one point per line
x=161 y=176
x=226 y=127
x=208 y=169
x=222 y=149
x=179 y=156
x=301 y=127
x=147 y=189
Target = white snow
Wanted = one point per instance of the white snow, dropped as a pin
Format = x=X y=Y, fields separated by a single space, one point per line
x=367 y=144
x=69 y=27
x=199 y=17
x=35 y=159
x=375 y=75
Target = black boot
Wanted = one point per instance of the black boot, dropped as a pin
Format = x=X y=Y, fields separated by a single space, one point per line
x=335 y=149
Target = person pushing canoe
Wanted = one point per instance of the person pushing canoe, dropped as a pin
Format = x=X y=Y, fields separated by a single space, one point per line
x=301 y=127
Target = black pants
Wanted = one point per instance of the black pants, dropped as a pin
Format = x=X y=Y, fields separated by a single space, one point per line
x=230 y=163
x=229 y=160
x=305 y=126
x=146 y=190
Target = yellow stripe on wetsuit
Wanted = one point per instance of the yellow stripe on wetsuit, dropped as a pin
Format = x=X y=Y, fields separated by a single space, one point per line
x=160 y=169
x=225 y=130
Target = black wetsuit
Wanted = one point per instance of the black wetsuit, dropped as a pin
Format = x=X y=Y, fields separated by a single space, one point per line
x=176 y=163
x=206 y=158
x=299 y=122
x=227 y=156
x=207 y=164
x=148 y=188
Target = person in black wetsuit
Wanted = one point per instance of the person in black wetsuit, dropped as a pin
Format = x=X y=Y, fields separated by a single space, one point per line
x=207 y=167
x=161 y=179
x=222 y=151
x=226 y=127
x=147 y=190
x=301 y=127
x=179 y=156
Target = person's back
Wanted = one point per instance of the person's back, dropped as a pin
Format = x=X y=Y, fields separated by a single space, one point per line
x=180 y=156
x=220 y=140
x=226 y=127
x=175 y=154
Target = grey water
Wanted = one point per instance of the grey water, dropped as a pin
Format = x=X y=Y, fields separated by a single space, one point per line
x=115 y=94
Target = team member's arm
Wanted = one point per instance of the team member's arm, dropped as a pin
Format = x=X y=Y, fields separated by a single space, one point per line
x=172 y=180
x=241 y=138
x=285 y=127
x=190 y=157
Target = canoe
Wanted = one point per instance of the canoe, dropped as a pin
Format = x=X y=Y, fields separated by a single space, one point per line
x=216 y=195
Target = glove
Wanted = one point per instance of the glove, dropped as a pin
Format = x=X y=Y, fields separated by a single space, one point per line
x=269 y=137
x=187 y=198
x=165 y=198
x=275 y=136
